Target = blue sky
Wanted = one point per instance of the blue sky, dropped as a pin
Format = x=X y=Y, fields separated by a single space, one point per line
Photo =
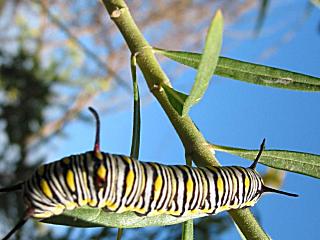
x=239 y=114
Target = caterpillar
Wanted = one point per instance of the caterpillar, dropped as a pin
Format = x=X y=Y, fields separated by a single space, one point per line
x=119 y=183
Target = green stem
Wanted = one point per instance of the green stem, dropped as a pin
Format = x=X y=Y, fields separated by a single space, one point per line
x=187 y=226
x=119 y=234
x=187 y=230
x=193 y=141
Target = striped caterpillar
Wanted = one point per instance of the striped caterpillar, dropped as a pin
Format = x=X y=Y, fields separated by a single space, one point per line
x=119 y=183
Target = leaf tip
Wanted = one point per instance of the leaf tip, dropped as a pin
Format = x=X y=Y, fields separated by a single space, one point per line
x=218 y=14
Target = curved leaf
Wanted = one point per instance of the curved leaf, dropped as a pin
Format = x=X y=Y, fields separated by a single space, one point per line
x=207 y=63
x=249 y=72
x=298 y=162
x=176 y=98
x=93 y=217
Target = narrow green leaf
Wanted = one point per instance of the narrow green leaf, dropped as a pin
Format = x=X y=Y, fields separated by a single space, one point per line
x=175 y=97
x=207 y=63
x=93 y=217
x=298 y=162
x=249 y=72
x=135 y=145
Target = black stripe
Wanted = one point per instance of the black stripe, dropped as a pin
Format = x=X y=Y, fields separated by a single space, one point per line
x=185 y=180
x=47 y=178
x=207 y=196
x=143 y=194
x=164 y=188
x=193 y=195
x=109 y=194
x=78 y=177
x=51 y=183
x=227 y=186
x=175 y=197
x=31 y=191
x=167 y=201
x=89 y=179
x=234 y=195
x=134 y=184
x=213 y=171
x=243 y=176
x=153 y=177
x=124 y=184
x=58 y=171
x=107 y=186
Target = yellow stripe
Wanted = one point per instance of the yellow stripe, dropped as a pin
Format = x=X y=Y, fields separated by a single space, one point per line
x=93 y=202
x=174 y=212
x=42 y=215
x=157 y=187
x=84 y=174
x=129 y=182
x=45 y=188
x=98 y=155
x=102 y=172
x=194 y=211
x=70 y=205
x=220 y=186
x=127 y=159
x=58 y=209
x=70 y=180
x=250 y=203
x=189 y=189
x=223 y=208
x=139 y=210
x=113 y=207
x=247 y=183
x=83 y=202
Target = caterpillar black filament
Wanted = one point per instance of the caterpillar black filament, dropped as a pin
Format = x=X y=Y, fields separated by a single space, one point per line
x=119 y=183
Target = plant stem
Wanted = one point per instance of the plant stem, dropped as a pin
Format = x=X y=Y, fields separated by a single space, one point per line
x=194 y=143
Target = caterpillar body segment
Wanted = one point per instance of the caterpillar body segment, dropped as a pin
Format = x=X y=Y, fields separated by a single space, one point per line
x=118 y=183
x=144 y=188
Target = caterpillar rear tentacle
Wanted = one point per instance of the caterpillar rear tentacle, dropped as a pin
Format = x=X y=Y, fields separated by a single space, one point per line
x=119 y=183
x=13 y=188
